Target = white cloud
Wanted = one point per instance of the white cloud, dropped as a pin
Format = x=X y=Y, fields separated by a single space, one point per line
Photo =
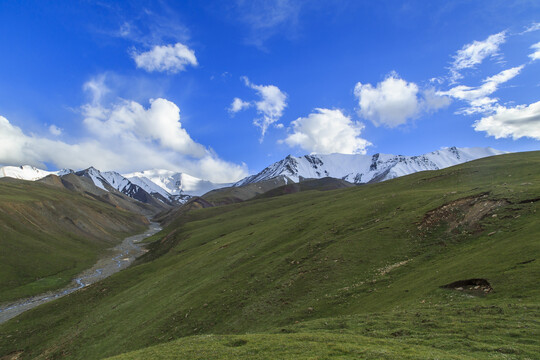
x=16 y=148
x=55 y=130
x=129 y=119
x=474 y=53
x=517 y=122
x=327 y=131
x=394 y=101
x=536 y=54
x=167 y=58
x=478 y=97
x=238 y=105
x=123 y=136
x=123 y=154
x=270 y=106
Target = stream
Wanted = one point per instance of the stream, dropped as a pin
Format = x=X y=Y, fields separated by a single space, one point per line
x=122 y=256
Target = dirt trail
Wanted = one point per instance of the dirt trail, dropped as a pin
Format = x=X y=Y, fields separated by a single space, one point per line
x=121 y=257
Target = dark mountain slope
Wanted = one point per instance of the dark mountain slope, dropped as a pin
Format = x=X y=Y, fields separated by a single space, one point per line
x=235 y=194
x=323 y=184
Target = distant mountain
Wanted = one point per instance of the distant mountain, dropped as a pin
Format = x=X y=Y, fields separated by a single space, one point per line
x=360 y=169
x=25 y=172
x=85 y=186
x=172 y=188
x=107 y=182
x=175 y=183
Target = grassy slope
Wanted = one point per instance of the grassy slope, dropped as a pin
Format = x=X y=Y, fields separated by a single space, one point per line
x=48 y=234
x=311 y=264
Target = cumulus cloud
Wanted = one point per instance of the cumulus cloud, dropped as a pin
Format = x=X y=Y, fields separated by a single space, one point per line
x=394 y=101
x=327 y=131
x=536 y=54
x=478 y=97
x=129 y=119
x=270 y=106
x=124 y=136
x=238 y=105
x=474 y=53
x=55 y=130
x=166 y=58
x=17 y=148
x=516 y=122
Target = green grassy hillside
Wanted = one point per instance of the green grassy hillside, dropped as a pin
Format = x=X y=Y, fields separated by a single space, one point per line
x=350 y=273
x=49 y=234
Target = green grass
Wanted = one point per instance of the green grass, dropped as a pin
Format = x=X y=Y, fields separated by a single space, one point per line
x=426 y=332
x=318 y=265
x=48 y=235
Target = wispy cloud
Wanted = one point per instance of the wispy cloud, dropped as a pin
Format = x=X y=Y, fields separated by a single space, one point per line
x=536 y=54
x=150 y=25
x=533 y=27
x=478 y=97
x=270 y=106
x=474 y=53
x=266 y=18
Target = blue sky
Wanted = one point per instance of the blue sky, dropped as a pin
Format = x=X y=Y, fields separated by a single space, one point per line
x=223 y=89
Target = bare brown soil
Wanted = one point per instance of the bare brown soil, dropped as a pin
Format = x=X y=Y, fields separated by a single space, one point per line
x=462 y=213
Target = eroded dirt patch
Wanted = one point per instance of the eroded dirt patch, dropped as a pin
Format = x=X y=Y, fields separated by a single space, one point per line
x=462 y=213
x=472 y=286
x=13 y=356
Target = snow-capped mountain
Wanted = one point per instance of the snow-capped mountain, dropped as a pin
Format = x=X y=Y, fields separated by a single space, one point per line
x=166 y=186
x=148 y=185
x=111 y=179
x=25 y=172
x=175 y=183
x=96 y=176
x=366 y=168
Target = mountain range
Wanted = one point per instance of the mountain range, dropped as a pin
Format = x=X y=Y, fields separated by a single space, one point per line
x=173 y=188
x=361 y=169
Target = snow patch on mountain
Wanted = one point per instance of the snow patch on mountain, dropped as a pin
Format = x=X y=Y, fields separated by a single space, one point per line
x=96 y=177
x=149 y=186
x=25 y=172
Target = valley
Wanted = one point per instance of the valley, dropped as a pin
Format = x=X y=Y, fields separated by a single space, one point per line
x=349 y=272
x=116 y=259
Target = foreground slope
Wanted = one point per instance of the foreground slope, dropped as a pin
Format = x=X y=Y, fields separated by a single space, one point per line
x=353 y=272
x=49 y=233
